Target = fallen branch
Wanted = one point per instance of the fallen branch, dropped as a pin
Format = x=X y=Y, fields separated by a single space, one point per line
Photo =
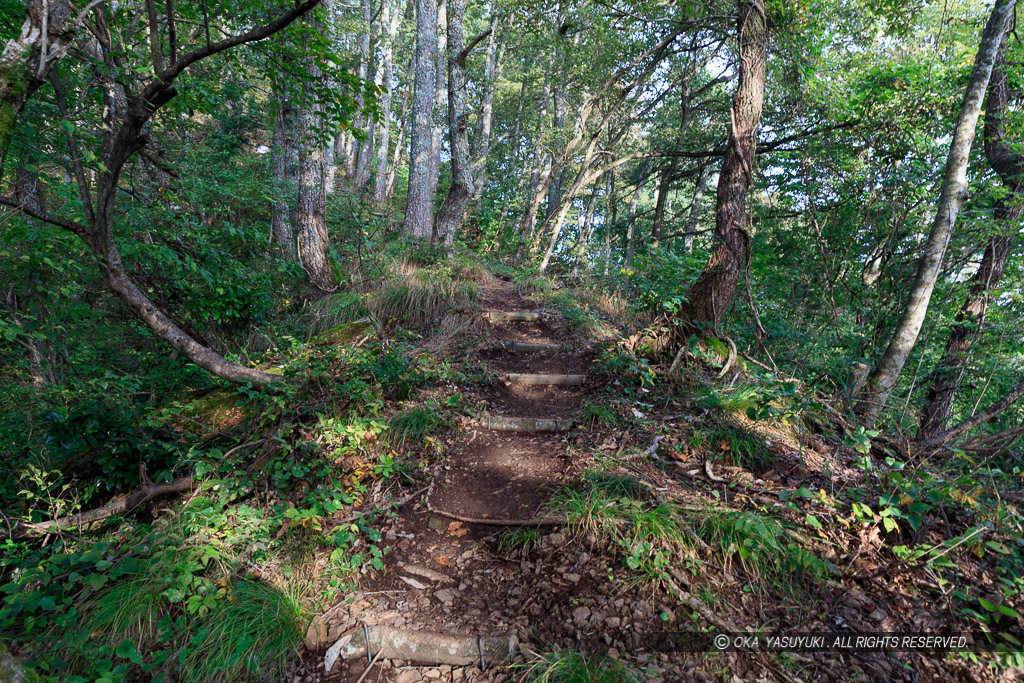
x=143 y=494
x=421 y=647
x=731 y=358
x=535 y=521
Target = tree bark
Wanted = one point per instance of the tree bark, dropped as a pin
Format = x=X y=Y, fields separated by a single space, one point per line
x=482 y=138
x=364 y=148
x=453 y=208
x=418 y=207
x=696 y=204
x=664 y=186
x=1009 y=166
x=440 y=110
x=712 y=294
x=284 y=159
x=26 y=60
x=312 y=241
x=631 y=225
x=390 y=26
x=954 y=193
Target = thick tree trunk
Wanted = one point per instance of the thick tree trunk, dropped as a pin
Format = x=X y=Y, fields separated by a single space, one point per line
x=283 y=169
x=452 y=210
x=712 y=294
x=418 y=223
x=26 y=60
x=1007 y=212
x=313 y=242
x=440 y=109
x=954 y=192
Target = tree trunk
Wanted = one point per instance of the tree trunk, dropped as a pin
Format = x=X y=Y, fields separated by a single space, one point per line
x=954 y=192
x=455 y=202
x=664 y=185
x=712 y=294
x=987 y=415
x=418 y=207
x=631 y=226
x=313 y=242
x=696 y=204
x=25 y=63
x=482 y=138
x=440 y=110
x=283 y=169
x=389 y=26
x=360 y=122
x=1007 y=212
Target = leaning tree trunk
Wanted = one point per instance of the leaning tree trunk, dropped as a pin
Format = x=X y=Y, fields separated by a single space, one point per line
x=418 y=223
x=954 y=192
x=312 y=239
x=712 y=293
x=455 y=202
x=1007 y=212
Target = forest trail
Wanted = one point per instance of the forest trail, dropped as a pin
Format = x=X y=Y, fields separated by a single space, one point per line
x=445 y=572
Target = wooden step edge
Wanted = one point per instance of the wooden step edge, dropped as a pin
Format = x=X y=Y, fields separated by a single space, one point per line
x=502 y=423
x=545 y=380
x=525 y=347
x=513 y=316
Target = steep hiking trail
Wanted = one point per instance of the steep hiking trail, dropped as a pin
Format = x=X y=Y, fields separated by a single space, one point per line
x=445 y=572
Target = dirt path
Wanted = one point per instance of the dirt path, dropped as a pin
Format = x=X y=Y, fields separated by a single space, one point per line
x=445 y=575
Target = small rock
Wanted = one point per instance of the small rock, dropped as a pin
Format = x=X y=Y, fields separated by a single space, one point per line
x=878 y=615
x=556 y=539
x=581 y=615
x=572 y=578
x=445 y=595
x=432 y=674
x=613 y=622
x=408 y=676
x=412 y=582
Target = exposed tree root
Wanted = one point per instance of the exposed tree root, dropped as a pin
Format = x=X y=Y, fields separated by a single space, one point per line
x=420 y=647
x=545 y=380
x=144 y=493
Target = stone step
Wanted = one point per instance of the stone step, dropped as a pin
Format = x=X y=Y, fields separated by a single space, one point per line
x=513 y=316
x=523 y=347
x=545 y=380
x=501 y=423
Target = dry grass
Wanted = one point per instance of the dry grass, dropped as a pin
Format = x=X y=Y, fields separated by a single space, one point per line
x=411 y=296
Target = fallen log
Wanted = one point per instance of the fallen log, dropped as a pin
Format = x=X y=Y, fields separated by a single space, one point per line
x=517 y=347
x=500 y=423
x=121 y=506
x=545 y=380
x=420 y=647
x=513 y=316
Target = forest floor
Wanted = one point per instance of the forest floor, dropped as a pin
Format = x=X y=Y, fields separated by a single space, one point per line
x=458 y=565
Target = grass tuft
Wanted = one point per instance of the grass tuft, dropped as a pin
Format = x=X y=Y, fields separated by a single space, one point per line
x=564 y=666
x=734 y=445
x=250 y=635
x=413 y=425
